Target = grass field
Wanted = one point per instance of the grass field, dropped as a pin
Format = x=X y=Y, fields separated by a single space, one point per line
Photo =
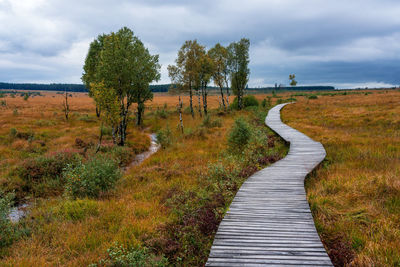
x=355 y=193
x=165 y=210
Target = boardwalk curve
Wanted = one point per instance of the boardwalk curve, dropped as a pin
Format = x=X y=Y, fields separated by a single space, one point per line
x=269 y=221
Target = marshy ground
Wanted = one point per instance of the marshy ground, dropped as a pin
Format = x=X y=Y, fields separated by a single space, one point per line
x=169 y=206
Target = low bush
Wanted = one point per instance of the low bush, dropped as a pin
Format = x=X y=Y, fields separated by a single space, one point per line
x=247 y=101
x=312 y=97
x=3 y=103
x=92 y=178
x=239 y=135
x=119 y=256
x=48 y=167
x=164 y=137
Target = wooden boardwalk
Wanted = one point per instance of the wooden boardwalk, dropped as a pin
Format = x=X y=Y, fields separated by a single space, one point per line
x=269 y=221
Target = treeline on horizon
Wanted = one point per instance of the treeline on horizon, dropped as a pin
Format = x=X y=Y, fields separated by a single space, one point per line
x=65 y=87
x=154 y=88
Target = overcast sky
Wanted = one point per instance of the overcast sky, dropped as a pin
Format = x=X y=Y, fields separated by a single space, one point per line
x=345 y=43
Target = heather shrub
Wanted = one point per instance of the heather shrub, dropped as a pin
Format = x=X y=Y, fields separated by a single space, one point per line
x=43 y=174
x=312 y=97
x=90 y=179
x=49 y=167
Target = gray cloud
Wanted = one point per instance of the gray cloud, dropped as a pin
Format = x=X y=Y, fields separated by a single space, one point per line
x=323 y=42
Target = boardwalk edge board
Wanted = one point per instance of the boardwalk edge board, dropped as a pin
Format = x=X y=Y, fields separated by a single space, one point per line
x=269 y=221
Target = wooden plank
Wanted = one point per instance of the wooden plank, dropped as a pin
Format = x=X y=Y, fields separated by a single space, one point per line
x=269 y=221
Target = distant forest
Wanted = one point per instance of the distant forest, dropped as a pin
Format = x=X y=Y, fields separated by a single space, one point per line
x=154 y=88
x=65 y=87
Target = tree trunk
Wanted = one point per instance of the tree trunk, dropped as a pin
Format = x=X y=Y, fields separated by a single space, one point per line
x=66 y=105
x=204 y=93
x=227 y=93
x=191 y=102
x=98 y=111
x=199 y=104
x=180 y=113
x=222 y=97
x=122 y=129
x=140 y=111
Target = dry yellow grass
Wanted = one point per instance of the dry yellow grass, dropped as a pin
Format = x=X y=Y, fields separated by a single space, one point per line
x=355 y=194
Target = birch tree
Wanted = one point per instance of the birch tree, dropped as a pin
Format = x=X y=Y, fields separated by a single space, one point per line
x=239 y=67
x=219 y=55
x=92 y=61
x=184 y=73
x=125 y=67
x=205 y=71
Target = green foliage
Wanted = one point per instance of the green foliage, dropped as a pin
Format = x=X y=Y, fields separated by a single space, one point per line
x=238 y=65
x=77 y=210
x=164 y=137
x=90 y=179
x=118 y=69
x=247 y=101
x=292 y=80
x=119 y=256
x=3 y=103
x=26 y=96
x=239 y=135
x=15 y=112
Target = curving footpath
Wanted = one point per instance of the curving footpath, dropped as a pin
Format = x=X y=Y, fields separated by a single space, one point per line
x=269 y=221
